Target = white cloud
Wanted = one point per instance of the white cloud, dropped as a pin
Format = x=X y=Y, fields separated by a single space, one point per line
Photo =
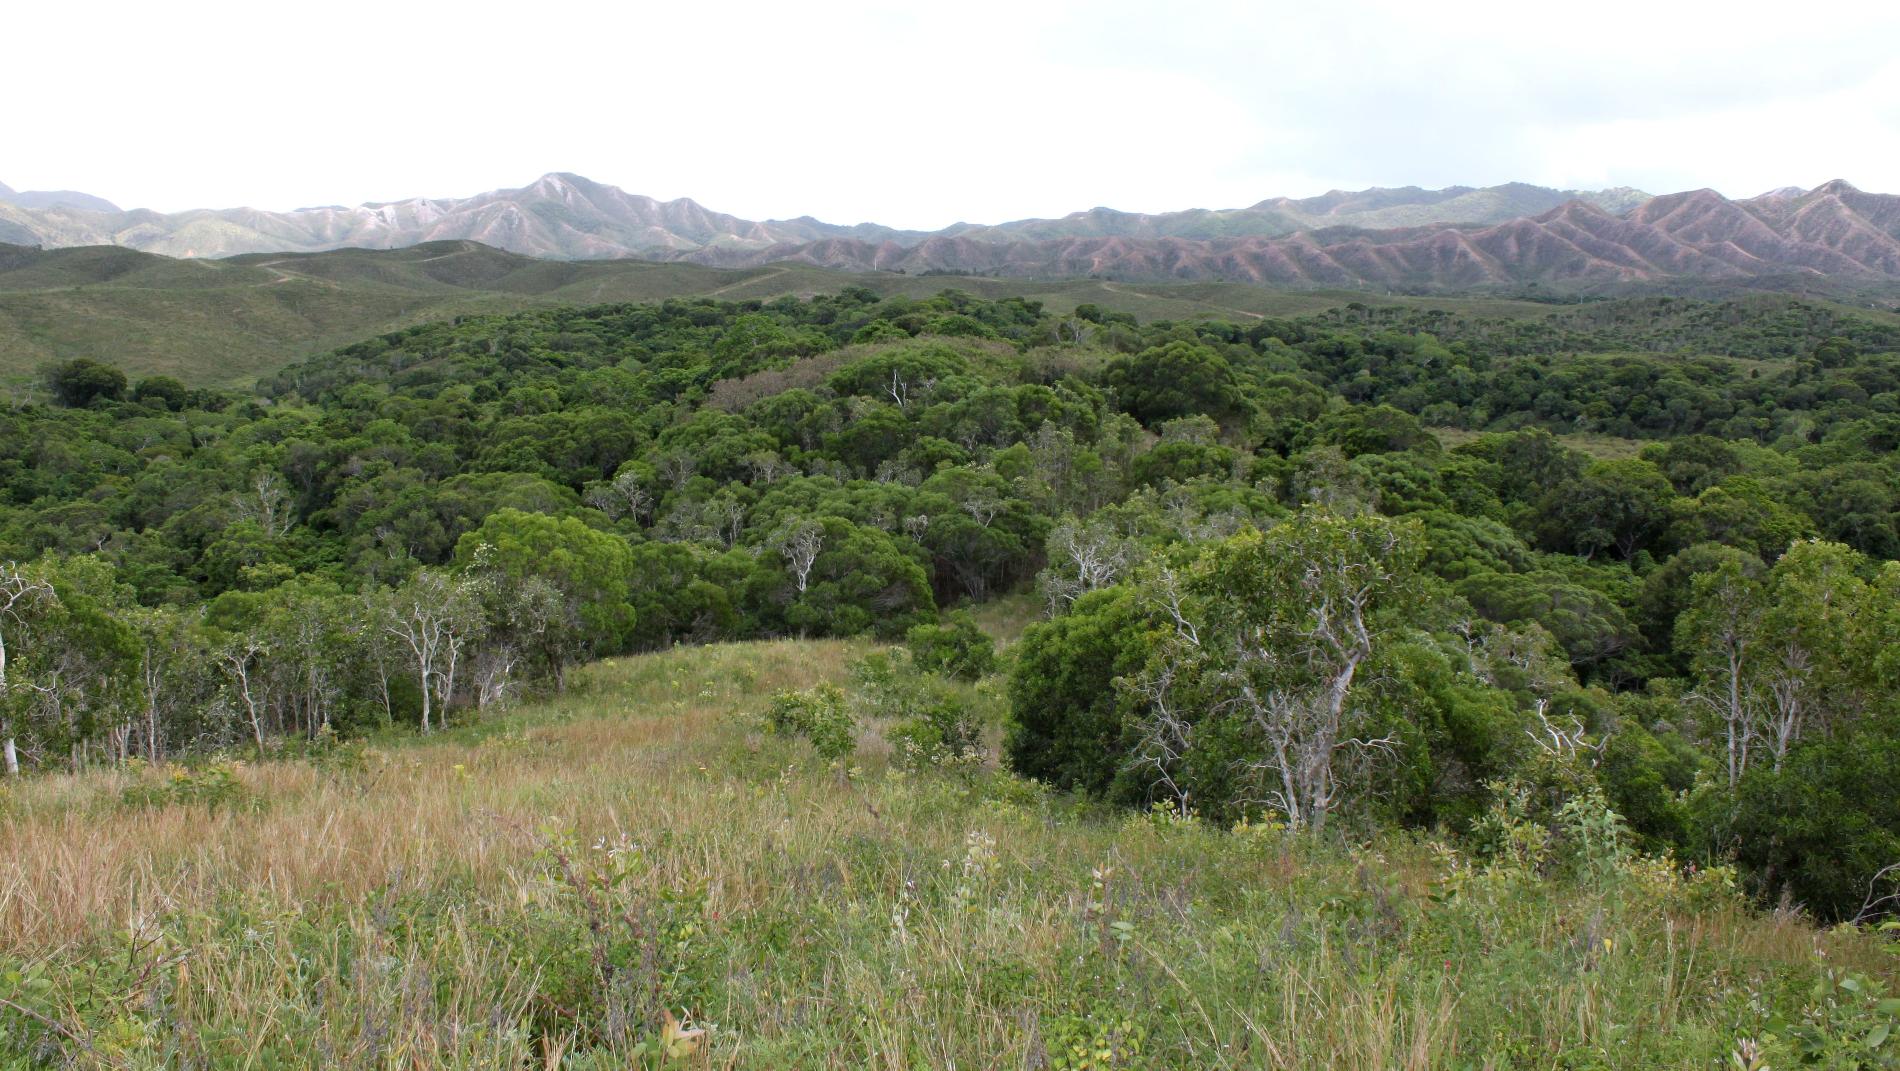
x=920 y=115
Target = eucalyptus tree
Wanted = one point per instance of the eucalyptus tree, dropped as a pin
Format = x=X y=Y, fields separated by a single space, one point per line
x=22 y=595
x=1267 y=635
x=432 y=618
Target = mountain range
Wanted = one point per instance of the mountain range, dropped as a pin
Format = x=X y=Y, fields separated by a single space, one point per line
x=33 y=199
x=1501 y=237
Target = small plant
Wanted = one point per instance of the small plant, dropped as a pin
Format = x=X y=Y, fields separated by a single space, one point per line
x=1101 y=1039
x=1849 y=1023
x=820 y=716
x=1507 y=836
x=213 y=786
x=1592 y=838
x=941 y=730
x=935 y=721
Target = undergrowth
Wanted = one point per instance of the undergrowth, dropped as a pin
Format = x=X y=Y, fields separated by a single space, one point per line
x=641 y=874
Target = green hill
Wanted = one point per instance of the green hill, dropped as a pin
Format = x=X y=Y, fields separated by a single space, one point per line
x=226 y=322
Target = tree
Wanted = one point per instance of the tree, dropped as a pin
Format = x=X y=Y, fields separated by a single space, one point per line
x=1084 y=556
x=1720 y=631
x=79 y=382
x=592 y=571
x=1622 y=505
x=164 y=391
x=1269 y=632
x=21 y=594
x=1814 y=605
x=1825 y=824
x=83 y=658
x=1071 y=724
x=433 y=617
x=799 y=541
x=1176 y=380
x=955 y=648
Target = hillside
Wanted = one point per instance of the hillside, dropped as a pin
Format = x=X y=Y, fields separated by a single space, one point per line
x=553 y=888
x=1391 y=685
x=567 y=216
x=1834 y=237
x=225 y=322
x=39 y=199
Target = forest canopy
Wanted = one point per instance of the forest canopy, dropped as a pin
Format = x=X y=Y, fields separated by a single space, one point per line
x=1351 y=569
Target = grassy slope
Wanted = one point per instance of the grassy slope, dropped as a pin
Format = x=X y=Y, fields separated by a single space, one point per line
x=419 y=907
x=227 y=322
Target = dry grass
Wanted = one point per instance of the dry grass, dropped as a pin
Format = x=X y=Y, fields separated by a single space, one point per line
x=533 y=891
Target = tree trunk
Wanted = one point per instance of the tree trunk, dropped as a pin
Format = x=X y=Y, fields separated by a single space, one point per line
x=425 y=699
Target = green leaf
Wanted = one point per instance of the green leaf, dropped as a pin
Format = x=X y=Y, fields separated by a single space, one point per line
x=1879 y=1035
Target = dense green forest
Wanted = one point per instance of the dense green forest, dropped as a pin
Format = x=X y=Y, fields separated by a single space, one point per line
x=1273 y=593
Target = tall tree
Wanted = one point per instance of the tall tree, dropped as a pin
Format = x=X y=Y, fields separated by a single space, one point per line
x=21 y=594
x=1270 y=632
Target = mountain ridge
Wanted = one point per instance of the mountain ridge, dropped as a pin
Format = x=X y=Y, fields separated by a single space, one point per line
x=1458 y=237
x=38 y=199
x=562 y=214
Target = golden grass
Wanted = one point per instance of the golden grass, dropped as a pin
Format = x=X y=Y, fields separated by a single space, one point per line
x=428 y=910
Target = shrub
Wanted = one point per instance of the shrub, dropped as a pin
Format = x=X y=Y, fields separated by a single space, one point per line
x=213 y=786
x=1070 y=722
x=942 y=728
x=1819 y=828
x=955 y=648
x=935 y=721
x=820 y=716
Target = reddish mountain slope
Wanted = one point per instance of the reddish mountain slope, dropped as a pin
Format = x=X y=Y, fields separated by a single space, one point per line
x=1834 y=230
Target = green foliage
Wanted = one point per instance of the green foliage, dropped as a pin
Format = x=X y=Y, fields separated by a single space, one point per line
x=1175 y=380
x=980 y=921
x=955 y=648
x=930 y=720
x=1070 y=723
x=556 y=483
x=593 y=571
x=215 y=787
x=1104 y=1038
x=820 y=716
x=81 y=381
x=1818 y=829
x=1848 y=1023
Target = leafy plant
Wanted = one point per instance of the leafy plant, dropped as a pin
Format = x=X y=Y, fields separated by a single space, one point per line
x=819 y=715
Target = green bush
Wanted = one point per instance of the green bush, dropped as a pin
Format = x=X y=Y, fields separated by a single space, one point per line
x=212 y=786
x=933 y=719
x=955 y=648
x=942 y=728
x=1819 y=828
x=1070 y=723
x=820 y=716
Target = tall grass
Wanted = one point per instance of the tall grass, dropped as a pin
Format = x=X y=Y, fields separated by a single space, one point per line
x=587 y=883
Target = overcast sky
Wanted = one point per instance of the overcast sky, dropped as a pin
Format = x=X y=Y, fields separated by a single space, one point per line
x=922 y=114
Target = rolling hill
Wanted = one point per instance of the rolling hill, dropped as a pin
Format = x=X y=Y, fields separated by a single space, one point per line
x=225 y=322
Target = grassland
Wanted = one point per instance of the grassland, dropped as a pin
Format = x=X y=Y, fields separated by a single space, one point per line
x=226 y=322
x=546 y=889
x=1604 y=447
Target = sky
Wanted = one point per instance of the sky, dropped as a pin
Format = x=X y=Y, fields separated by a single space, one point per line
x=920 y=115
